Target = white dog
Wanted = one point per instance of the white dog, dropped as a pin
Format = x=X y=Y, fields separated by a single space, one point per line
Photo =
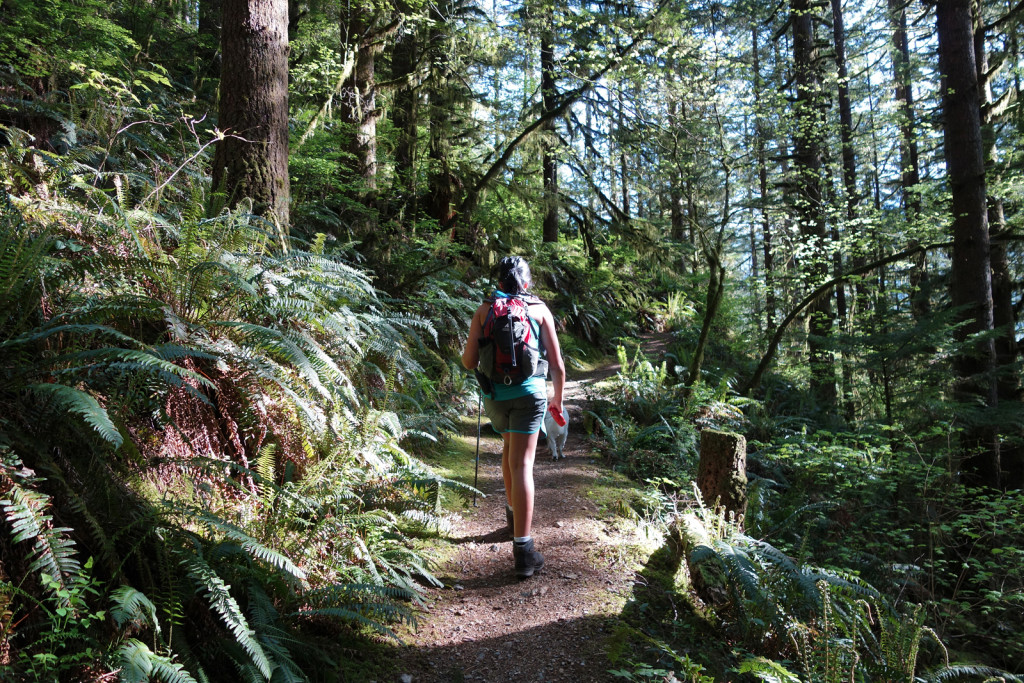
x=556 y=434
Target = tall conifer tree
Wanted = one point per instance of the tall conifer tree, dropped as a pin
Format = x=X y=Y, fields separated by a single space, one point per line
x=808 y=147
x=971 y=275
x=252 y=161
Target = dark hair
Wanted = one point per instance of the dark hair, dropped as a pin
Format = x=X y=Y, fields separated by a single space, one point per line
x=513 y=275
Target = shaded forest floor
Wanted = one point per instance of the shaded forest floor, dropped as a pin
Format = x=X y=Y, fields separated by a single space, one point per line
x=485 y=624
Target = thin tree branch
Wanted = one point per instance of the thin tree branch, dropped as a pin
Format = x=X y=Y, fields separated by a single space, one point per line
x=820 y=291
x=1013 y=12
x=346 y=71
x=755 y=379
x=474 y=196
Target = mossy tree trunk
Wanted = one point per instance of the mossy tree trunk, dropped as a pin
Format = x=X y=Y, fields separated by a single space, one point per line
x=808 y=149
x=359 y=96
x=252 y=161
x=722 y=472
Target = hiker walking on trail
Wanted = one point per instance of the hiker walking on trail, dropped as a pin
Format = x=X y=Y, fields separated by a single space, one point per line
x=512 y=343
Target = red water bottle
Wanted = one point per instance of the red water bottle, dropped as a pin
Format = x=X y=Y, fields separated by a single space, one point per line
x=557 y=414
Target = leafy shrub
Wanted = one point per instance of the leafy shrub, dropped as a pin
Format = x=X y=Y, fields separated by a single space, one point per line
x=214 y=419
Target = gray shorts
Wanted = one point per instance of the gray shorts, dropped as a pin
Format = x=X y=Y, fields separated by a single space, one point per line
x=523 y=415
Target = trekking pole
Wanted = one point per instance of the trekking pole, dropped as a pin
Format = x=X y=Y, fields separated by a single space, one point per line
x=476 y=472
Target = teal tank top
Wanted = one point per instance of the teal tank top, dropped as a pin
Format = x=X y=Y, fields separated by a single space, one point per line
x=532 y=385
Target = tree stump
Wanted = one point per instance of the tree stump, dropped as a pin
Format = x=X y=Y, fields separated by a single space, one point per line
x=722 y=472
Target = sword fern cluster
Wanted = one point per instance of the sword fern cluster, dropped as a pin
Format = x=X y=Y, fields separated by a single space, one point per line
x=199 y=437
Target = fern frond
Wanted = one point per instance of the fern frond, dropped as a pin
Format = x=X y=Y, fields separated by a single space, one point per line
x=226 y=270
x=365 y=604
x=742 y=571
x=247 y=671
x=428 y=520
x=273 y=342
x=224 y=604
x=115 y=209
x=972 y=672
x=805 y=582
x=222 y=530
x=265 y=465
x=346 y=593
x=139 y=665
x=77 y=401
x=74 y=497
x=132 y=610
x=354 y=615
x=266 y=621
x=766 y=670
x=843 y=582
x=52 y=553
x=130 y=360
x=47 y=331
x=263 y=615
x=21 y=258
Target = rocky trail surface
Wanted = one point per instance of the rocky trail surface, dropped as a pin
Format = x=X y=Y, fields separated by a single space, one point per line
x=485 y=625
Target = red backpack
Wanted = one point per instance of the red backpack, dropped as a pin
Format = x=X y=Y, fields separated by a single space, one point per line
x=510 y=348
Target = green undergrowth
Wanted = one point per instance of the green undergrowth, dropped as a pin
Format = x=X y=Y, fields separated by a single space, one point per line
x=455 y=458
x=207 y=451
x=858 y=559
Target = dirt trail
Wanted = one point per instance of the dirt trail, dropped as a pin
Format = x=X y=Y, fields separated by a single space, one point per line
x=486 y=625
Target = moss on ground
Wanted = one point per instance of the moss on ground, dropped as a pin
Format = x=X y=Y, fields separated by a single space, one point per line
x=661 y=622
x=455 y=458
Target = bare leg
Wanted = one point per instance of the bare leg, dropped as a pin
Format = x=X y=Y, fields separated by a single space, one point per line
x=519 y=453
x=506 y=470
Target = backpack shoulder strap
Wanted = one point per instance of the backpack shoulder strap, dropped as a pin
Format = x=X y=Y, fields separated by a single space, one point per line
x=489 y=318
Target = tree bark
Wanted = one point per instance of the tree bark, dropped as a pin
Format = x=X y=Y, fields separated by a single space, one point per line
x=971 y=280
x=807 y=152
x=406 y=119
x=359 y=97
x=252 y=161
x=760 y=133
x=1008 y=384
x=910 y=174
x=549 y=100
x=722 y=471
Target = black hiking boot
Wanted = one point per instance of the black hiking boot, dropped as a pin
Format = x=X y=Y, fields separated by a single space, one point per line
x=527 y=559
x=508 y=520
